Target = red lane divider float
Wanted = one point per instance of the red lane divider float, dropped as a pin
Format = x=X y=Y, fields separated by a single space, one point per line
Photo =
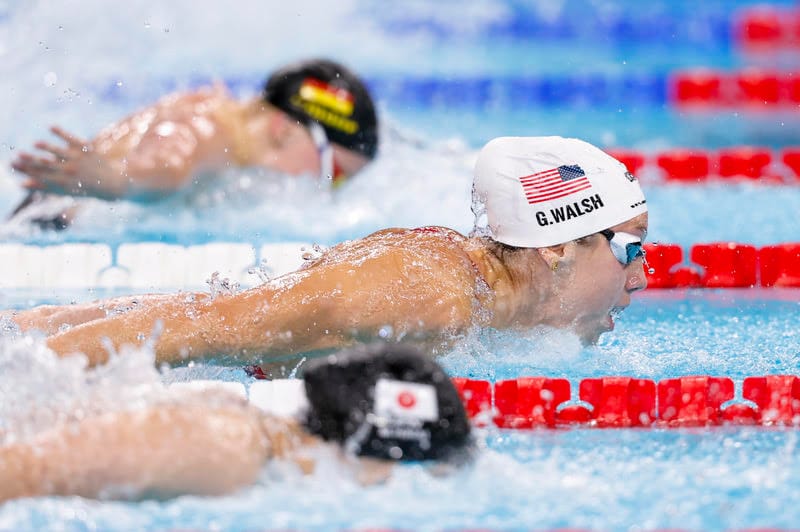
x=616 y=402
x=767 y=29
x=749 y=89
x=723 y=265
x=780 y=265
x=619 y=402
x=693 y=401
x=746 y=163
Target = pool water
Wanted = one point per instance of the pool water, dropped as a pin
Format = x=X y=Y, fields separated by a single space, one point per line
x=55 y=71
x=696 y=479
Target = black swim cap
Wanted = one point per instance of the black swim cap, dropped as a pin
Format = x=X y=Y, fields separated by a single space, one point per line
x=328 y=93
x=387 y=401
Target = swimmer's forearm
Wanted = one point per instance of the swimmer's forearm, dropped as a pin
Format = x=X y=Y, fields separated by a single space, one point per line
x=132 y=178
x=185 y=327
x=178 y=323
x=162 y=451
x=49 y=319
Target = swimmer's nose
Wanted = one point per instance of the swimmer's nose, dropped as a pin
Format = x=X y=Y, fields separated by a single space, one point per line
x=636 y=280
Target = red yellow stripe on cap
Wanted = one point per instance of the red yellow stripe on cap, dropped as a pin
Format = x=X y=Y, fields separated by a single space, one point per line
x=334 y=98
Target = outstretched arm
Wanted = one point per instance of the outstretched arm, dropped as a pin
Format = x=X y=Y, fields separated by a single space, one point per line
x=49 y=319
x=146 y=155
x=159 y=451
x=386 y=290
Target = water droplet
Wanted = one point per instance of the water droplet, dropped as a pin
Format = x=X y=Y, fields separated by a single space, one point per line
x=386 y=332
x=263 y=271
x=314 y=253
x=50 y=79
x=222 y=285
x=146 y=24
x=119 y=83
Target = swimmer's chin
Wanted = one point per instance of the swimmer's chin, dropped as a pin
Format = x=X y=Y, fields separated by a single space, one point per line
x=590 y=338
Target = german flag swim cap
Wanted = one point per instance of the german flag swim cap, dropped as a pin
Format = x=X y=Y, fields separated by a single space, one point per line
x=328 y=93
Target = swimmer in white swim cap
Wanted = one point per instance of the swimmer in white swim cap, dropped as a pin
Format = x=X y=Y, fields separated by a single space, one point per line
x=563 y=204
x=562 y=248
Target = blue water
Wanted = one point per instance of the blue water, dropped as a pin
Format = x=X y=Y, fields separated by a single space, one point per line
x=448 y=77
x=692 y=479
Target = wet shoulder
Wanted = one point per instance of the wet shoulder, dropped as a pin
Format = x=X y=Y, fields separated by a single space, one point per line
x=425 y=240
x=209 y=102
x=425 y=243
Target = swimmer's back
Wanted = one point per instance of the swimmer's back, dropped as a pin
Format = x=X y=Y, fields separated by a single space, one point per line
x=433 y=243
x=195 y=130
x=424 y=271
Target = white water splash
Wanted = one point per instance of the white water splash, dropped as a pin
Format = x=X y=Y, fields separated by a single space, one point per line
x=39 y=389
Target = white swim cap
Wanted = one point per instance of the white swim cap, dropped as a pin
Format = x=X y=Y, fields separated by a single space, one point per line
x=543 y=191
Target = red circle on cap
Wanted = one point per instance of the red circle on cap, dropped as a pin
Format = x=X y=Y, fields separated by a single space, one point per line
x=406 y=399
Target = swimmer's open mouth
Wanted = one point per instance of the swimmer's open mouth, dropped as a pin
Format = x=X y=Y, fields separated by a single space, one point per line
x=616 y=312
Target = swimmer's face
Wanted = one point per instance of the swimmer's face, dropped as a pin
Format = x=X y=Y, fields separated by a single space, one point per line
x=599 y=286
x=295 y=152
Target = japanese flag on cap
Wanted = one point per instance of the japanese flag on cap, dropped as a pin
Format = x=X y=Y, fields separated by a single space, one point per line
x=405 y=400
x=543 y=191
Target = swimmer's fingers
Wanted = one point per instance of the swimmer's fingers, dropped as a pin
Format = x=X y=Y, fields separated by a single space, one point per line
x=72 y=140
x=35 y=166
x=59 y=152
x=21 y=160
x=46 y=175
x=26 y=164
x=33 y=184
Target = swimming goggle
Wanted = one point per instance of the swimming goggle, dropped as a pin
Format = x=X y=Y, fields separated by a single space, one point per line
x=625 y=246
x=328 y=169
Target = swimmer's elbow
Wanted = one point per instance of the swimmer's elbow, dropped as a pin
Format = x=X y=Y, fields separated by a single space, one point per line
x=157 y=181
x=161 y=168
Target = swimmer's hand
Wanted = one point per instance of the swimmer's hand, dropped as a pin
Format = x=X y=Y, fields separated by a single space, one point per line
x=74 y=168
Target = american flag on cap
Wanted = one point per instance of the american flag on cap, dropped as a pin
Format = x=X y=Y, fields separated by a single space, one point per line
x=554 y=183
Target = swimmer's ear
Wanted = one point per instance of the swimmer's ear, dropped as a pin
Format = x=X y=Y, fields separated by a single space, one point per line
x=558 y=254
x=278 y=128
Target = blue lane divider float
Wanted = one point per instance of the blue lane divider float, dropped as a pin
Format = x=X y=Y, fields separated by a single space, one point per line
x=474 y=91
x=710 y=28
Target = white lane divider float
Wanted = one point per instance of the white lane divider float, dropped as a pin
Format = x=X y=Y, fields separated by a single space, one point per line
x=142 y=266
x=279 y=397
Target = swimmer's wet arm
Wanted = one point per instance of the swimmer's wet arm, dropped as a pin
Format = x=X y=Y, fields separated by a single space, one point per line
x=49 y=319
x=160 y=451
x=329 y=306
x=180 y=323
x=152 y=164
x=163 y=146
x=395 y=292
x=154 y=151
